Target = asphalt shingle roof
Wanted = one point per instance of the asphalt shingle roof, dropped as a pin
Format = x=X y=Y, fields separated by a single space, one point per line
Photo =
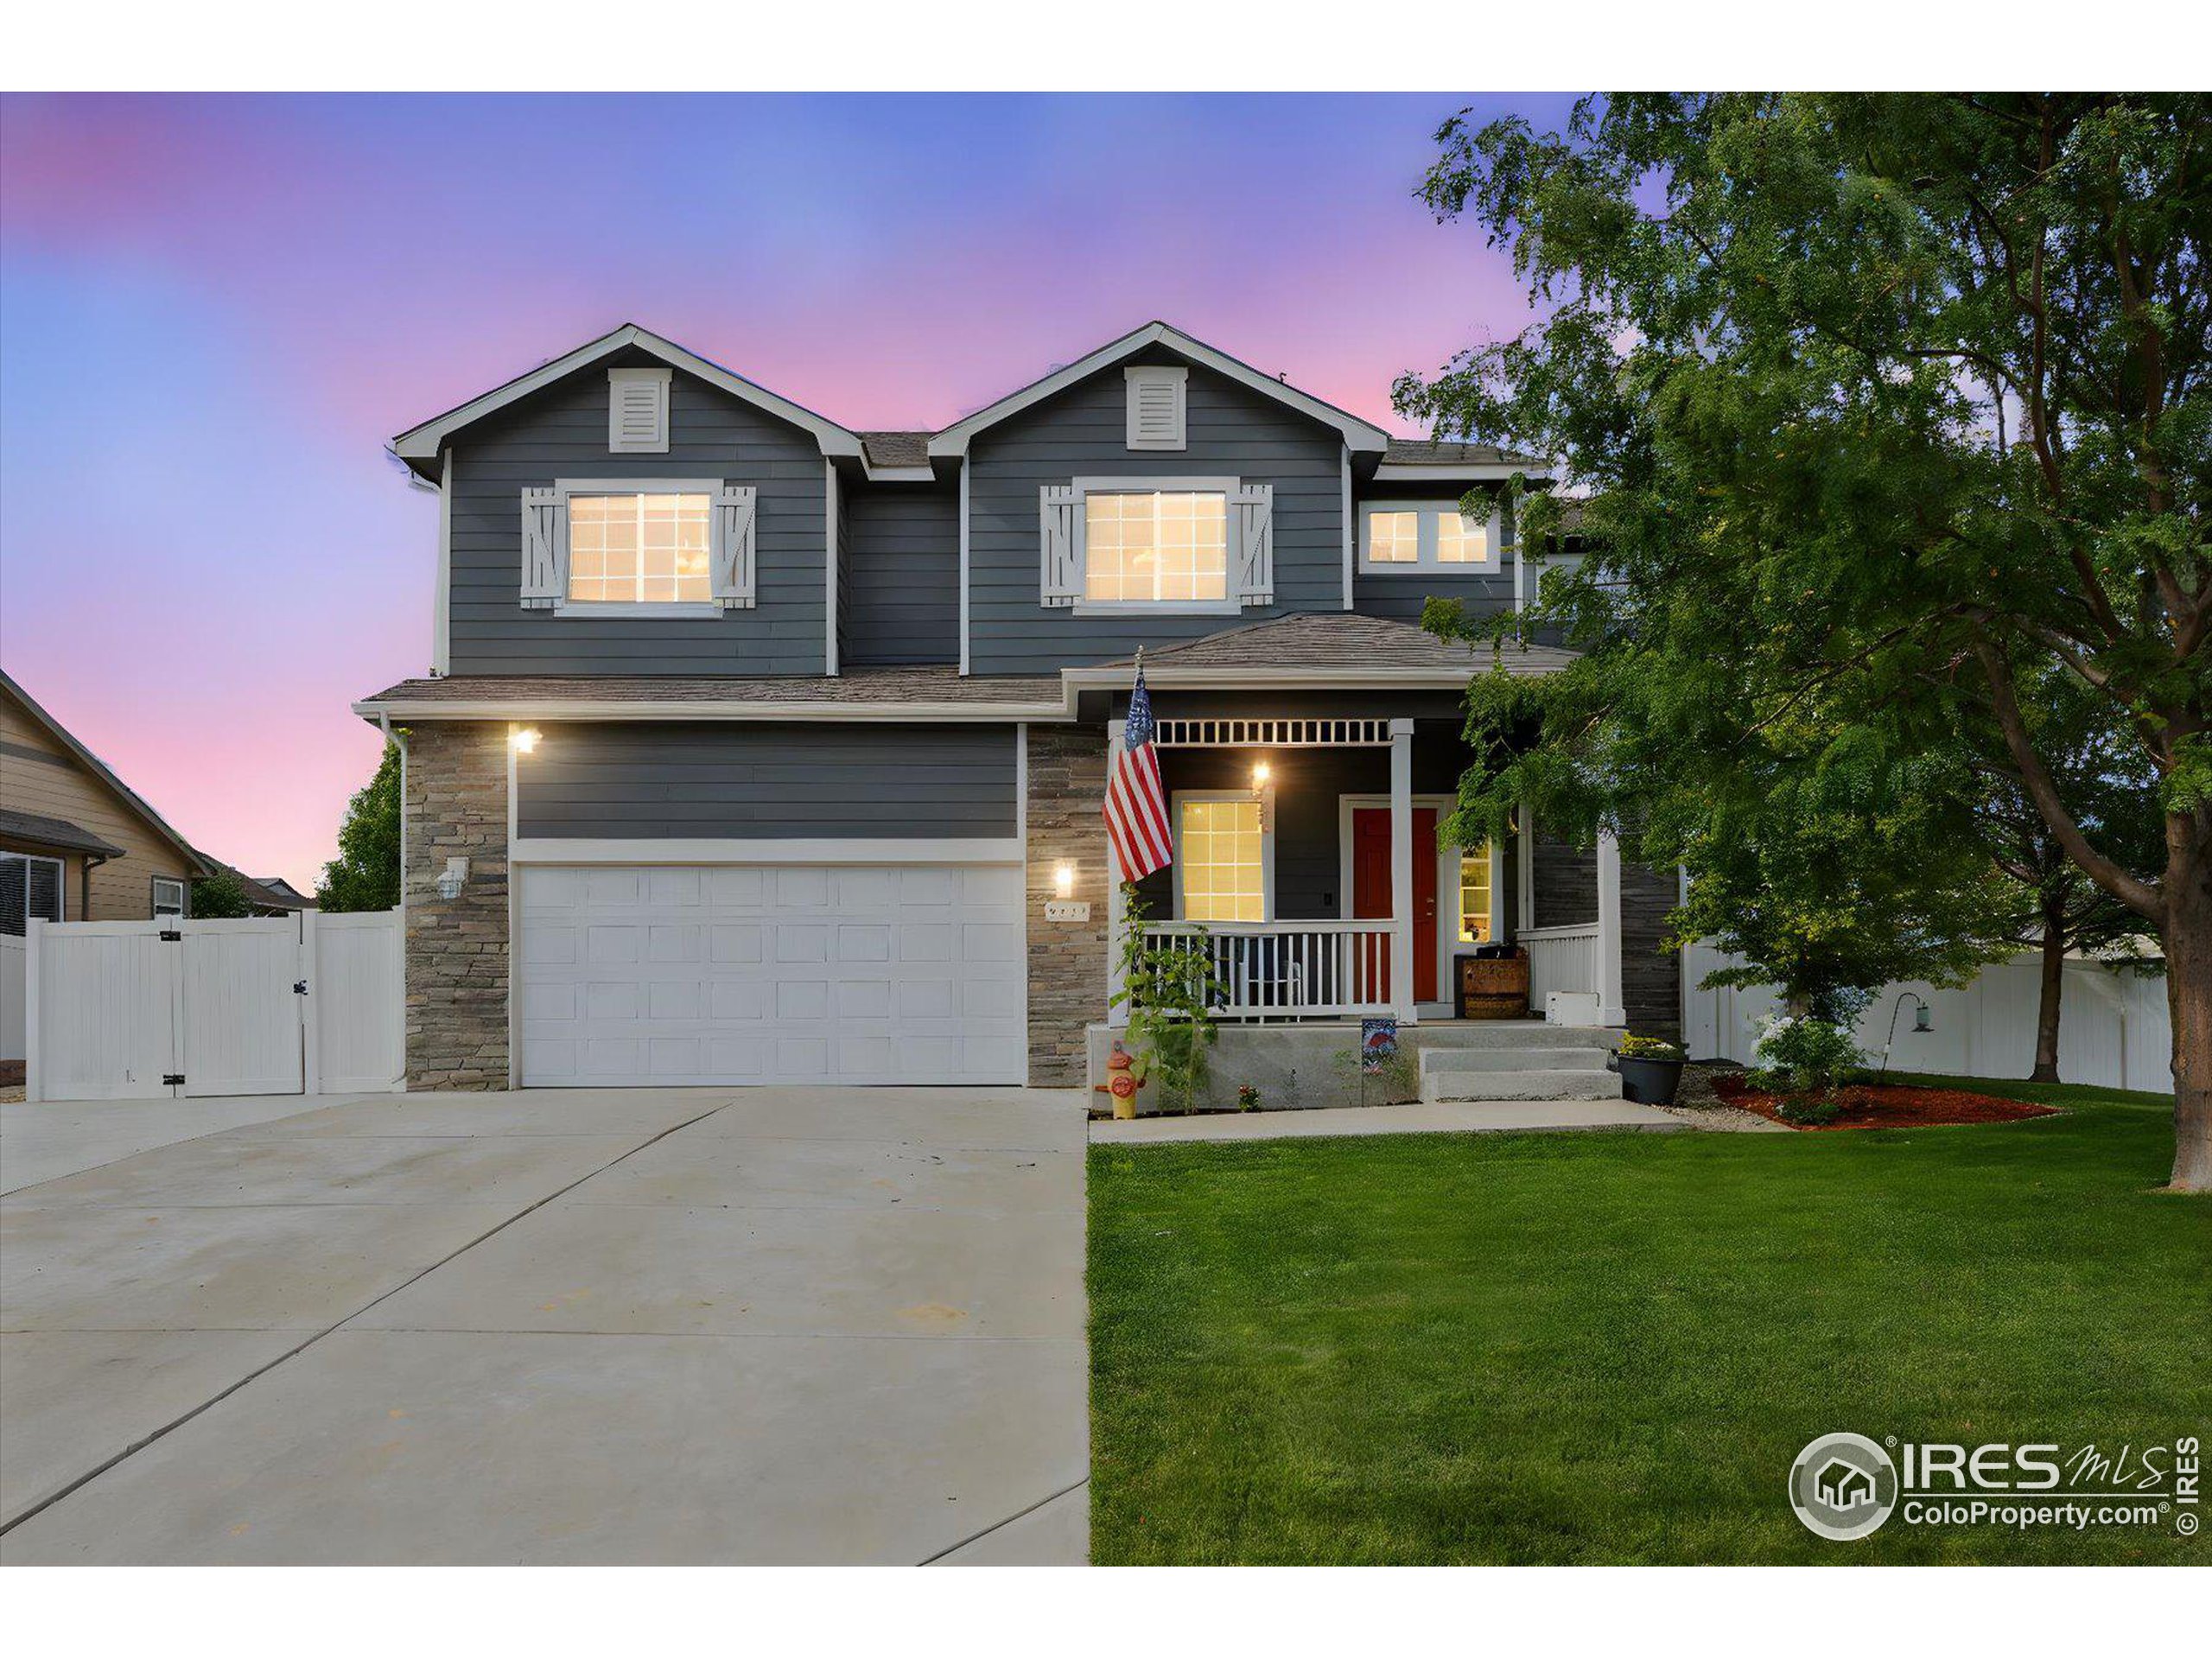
x=1430 y=452
x=31 y=828
x=939 y=683
x=1347 y=639
x=896 y=448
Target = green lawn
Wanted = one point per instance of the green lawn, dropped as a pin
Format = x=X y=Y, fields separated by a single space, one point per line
x=1610 y=1348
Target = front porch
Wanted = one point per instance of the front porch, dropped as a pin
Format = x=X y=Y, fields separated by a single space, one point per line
x=1309 y=870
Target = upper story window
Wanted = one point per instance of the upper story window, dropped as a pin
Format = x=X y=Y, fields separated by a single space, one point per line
x=1400 y=536
x=1155 y=547
x=638 y=547
x=1189 y=545
x=646 y=549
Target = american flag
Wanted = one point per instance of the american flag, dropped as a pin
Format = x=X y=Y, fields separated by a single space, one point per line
x=1136 y=807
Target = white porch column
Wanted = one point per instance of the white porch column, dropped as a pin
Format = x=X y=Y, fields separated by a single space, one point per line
x=1115 y=1016
x=1610 y=1010
x=1401 y=870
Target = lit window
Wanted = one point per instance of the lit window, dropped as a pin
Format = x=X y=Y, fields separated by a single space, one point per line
x=1474 y=898
x=1461 y=540
x=1222 y=860
x=29 y=889
x=639 y=549
x=1394 y=538
x=1155 y=547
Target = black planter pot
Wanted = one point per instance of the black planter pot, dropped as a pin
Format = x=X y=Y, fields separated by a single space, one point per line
x=1647 y=1082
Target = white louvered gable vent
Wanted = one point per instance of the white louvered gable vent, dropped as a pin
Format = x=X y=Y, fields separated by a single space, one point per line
x=1156 y=406
x=637 y=411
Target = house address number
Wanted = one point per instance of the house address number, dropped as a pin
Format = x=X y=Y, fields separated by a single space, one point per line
x=1067 y=910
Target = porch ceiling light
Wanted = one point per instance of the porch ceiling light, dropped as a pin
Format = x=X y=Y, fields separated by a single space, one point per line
x=1064 y=880
x=1261 y=773
x=524 y=740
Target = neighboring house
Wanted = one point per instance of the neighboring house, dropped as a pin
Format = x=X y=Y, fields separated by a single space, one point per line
x=277 y=895
x=77 y=843
x=758 y=748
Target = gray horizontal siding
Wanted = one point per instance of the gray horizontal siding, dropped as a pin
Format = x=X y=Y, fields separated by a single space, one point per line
x=904 y=570
x=677 y=780
x=1401 y=597
x=562 y=433
x=1082 y=432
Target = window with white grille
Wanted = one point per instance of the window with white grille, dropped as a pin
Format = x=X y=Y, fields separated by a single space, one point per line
x=646 y=549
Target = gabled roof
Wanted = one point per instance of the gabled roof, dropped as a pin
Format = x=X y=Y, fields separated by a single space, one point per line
x=1439 y=460
x=93 y=764
x=896 y=448
x=1363 y=437
x=418 y=446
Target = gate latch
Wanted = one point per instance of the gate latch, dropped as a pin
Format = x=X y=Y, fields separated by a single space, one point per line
x=170 y=935
x=299 y=988
x=173 y=1079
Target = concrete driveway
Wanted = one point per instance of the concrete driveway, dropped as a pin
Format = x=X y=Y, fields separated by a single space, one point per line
x=639 y=1325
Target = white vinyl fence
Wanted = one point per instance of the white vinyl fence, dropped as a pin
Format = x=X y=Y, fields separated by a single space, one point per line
x=305 y=1004
x=2113 y=1031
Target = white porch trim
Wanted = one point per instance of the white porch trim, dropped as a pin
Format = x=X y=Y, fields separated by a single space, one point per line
x=1610 y=1009
x=1401 y=871
x=1117 y=921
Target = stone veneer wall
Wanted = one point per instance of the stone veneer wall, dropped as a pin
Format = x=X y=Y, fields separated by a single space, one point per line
x=1067 y=960
x=456 y=805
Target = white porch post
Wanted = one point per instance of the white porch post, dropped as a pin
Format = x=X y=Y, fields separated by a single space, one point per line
x=1610 y=1010
x=1401 y=870
x=1116 y=1014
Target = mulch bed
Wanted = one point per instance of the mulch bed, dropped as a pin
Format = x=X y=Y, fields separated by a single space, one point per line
x=1888 y=1106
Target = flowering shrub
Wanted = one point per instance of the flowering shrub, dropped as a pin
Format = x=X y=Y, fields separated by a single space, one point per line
x=1805 y=1056
x=1247 y=1098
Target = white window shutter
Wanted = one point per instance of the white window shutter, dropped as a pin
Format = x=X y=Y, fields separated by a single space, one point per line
x=637 y=411
x=1060 y=576
x=1253 y=525
x=736 y=512
x=1156 y=407
x=544 y=548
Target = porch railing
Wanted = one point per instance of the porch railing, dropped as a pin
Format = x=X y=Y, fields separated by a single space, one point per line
x=1560 y=959
x=1289 y=970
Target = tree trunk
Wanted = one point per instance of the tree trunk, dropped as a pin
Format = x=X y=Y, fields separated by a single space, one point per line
x=2189 y=994
x=2053 y=989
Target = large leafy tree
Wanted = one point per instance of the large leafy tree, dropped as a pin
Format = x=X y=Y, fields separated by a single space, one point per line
x=365 y=874
x=1904 y=398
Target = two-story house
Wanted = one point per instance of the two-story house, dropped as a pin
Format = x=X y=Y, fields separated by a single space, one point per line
x=760 y=749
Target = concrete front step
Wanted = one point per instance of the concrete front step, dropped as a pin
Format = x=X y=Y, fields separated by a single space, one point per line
x=1438 y=1085
x=1512 y=1060
x=1511 y=1034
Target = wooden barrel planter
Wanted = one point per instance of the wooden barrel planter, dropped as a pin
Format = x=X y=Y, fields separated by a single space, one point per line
x=1494 y=988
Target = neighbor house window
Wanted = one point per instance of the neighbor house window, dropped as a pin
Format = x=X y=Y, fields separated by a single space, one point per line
x=1155 y=547
x=29 y=887
x=168 y=897
x=1405 y=536
x=1474 y=898
x=1221 y=859
x=640 y=550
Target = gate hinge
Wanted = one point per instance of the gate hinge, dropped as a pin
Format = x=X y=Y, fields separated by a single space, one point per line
x=173 y=1079
x=170 y=935
x=299 y=988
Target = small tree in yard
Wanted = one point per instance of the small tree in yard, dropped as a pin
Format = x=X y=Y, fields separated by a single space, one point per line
x=365 y=874
x=1171 y=992
x=1898 y=402
x=2050 y=903
x=220 y=895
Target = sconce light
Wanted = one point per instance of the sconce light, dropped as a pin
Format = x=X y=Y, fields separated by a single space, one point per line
x=1261 y=773
x=1064 y=880
x=454 y=878
x=524 y=740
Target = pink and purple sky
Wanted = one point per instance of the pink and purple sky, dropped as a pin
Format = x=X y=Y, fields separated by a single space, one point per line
x=214 y=312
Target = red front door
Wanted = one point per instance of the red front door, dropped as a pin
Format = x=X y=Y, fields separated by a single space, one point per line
x=1371 y=883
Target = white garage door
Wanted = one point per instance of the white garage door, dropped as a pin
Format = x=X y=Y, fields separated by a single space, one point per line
x=777 y=974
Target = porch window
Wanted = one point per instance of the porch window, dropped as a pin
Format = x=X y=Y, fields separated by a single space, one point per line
x=1221 y=859
x=1155 y=547
x=640 y=550
x=1474 y=897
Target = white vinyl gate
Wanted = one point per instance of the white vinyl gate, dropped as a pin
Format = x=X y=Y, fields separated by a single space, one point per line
x=268 y=1006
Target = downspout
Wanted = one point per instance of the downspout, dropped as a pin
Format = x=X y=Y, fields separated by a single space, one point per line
x=84 y=883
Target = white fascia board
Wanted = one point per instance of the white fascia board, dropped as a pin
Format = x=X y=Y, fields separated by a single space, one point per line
x=897 y=474
x=1473 y=472
x=992 y=714
x=423 y=441
x=1161 y=677
x=1363 y=438
x=879 y=849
